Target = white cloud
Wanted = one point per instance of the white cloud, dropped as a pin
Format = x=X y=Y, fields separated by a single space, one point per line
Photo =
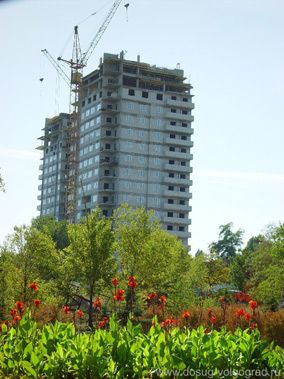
x=22 y=154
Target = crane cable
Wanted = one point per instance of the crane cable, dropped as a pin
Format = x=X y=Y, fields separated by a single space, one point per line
x=93 y=14
x=81 y=22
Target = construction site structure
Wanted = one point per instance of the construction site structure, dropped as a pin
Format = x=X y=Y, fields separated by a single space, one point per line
x=77 y=63
x=134 y=146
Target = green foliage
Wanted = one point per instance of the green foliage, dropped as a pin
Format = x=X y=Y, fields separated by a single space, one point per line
x=228 y=242
x=2 y=184
x=90 y=258
x=207 y=271
x=158 y=260
x=27 y=255
x=56 y=229
x=57 y=351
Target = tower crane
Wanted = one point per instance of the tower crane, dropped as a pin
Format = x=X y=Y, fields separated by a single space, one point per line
x=77 y=63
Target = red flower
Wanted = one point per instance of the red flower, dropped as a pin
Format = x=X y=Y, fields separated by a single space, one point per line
x=98 y=303
x=253 y=326
x=253 y=304
x=210 y=312
x=6 y=322
x=33 y=286
x=221 y=299
x=248 y=316
x=119 y=295
x=16 y=319
x=37 y=303
x=66 y=310
x=13 y=312
x=214 y=319
x=162 y=299
x=114 y=282
x=20 y=306
x=186 y=316
x=240 y=296
x=105 y=320
x=240 y=312
x=162 y=306
x=131 y=283
x=0 y=328
x=206 y=331
x=79 y=314
x=152 y=296
x=131 y=278
x=163 y=324
x=154 y=323
x=169 y=321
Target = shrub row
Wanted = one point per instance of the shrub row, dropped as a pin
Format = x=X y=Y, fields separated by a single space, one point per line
x=59 y=351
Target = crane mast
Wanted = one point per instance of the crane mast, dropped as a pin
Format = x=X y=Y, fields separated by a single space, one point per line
x=74 y=128
x=77 y=63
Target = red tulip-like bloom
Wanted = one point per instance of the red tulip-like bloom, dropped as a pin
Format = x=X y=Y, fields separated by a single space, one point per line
x=162 y=299
x=6 y=322
x=66 y=310
x=132 y=284
x=16 y=319
x=163 y=324
x=114 y=282
x=98 y=303
x=221 y=299
x=186 y=316
x=206 y=331
x=131 y=278
x=13 y=312
x=210 y=312
x=20 y=306
x=119 y=295
x=240 y=296
x=214 y=319
x=162 y=306
x=105 y=320
x=248 y=316
x=152 y=296
x=253 y=304
x=169 y=321
x=37 y=303
x=79 y=314
x=33 y=286
x=240 y=312
x=253 y=326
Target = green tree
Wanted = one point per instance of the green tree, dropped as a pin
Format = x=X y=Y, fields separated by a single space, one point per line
x=267 y=267
x=207 y=271
x=228 y=243
x=133 y=229
x=32 y=256
x=158 y=260
x=56 y=229
x=240 y=266
x=90 y=258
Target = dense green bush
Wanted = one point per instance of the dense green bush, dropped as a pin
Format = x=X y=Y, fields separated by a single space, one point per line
x=58 y=351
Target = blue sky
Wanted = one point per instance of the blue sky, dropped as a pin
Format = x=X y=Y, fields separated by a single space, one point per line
x=231 y=51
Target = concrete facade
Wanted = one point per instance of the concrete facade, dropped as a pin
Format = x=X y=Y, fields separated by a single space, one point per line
x=135 y=143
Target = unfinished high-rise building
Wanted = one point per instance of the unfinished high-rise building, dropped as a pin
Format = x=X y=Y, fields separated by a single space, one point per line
x=134 y=145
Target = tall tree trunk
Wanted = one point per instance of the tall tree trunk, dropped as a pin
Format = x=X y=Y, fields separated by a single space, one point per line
x=91 y=307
